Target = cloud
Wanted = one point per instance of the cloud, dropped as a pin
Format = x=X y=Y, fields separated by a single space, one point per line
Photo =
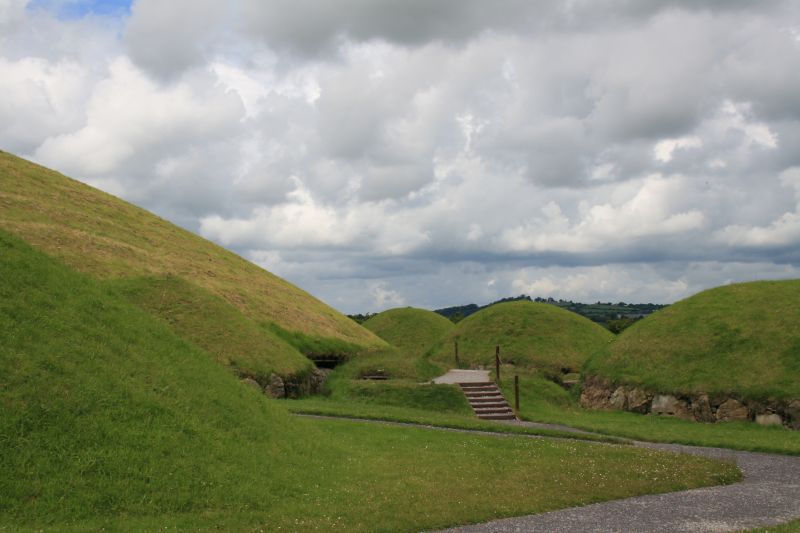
x=653 y=211
x=438 y=151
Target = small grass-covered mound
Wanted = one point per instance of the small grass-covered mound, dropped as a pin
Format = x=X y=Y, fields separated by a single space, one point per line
x=101 y=235
x=741 y=339
x=529 y=334
x=412 y=330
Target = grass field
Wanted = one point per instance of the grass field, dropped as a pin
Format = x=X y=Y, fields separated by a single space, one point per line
x=412 y=330
x=109 y=420
x=529 y=334
x=108 y=238
x=741 y=339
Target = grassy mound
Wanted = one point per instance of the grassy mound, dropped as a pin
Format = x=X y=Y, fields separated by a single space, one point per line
x=105 y=411
x=108 y=238
x=740 y=339
x=529 y=334
x=211 y=323
x=412 y=330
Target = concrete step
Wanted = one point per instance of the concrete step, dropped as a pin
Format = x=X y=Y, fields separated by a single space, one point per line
x=478 y=385
x=498 y=417
x=489 y=405
x=481 y=394
x=496 y=405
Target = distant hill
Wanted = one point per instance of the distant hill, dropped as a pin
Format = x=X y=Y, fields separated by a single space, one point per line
x=412 y=330
x=109 y=239
x=741 y=339
x=530 y=334
x=602 y=313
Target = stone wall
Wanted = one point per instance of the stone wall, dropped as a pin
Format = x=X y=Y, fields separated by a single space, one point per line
x=600 y=393
x=291 y=386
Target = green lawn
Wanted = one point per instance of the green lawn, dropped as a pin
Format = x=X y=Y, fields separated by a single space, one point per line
x=374 y=478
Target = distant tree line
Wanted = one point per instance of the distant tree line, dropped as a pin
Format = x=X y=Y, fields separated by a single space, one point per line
x=361 y=317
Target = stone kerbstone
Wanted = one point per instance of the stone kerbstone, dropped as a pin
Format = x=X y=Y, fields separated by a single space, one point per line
x=619 y=399
x=769 y=419
x=701 y=409
x=668 y=405
x=793 y=414
x=732 y=410
x=276 y=387
x=596 y=393
x=639 y=401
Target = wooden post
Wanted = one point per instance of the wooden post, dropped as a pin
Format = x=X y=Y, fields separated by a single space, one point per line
x=497 y=363
x=455 y=345
x=516 y=394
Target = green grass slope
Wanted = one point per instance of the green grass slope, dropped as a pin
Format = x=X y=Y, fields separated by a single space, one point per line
x=212 y=324
x=103 y=410
x=412 y=330
x=101 y=235
x=529 y=334
x=741 y=338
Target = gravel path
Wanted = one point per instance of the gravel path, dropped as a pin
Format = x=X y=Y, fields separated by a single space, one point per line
x=768 y=495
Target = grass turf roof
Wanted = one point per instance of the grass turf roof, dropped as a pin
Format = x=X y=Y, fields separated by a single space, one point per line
x=101 y=235
x=412 y=330
x=530 y=334
x=741 y=339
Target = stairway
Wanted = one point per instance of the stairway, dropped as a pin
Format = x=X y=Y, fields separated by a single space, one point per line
x=487 y=401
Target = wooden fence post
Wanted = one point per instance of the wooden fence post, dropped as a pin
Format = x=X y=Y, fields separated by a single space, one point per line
x=497 y=362
x=516 y=394
x=455 y=345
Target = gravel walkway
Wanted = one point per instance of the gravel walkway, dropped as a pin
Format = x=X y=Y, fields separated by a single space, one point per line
x=768 y=495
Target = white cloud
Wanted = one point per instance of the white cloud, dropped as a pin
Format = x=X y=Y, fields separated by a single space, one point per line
x=344 y=145
x=664 y=149
x=385 y=297
x=654 y=210
x=129 y=116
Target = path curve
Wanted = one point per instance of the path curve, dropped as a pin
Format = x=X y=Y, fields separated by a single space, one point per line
x=769 y=494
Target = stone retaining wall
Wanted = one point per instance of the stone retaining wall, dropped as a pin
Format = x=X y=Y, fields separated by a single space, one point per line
x=600 y=393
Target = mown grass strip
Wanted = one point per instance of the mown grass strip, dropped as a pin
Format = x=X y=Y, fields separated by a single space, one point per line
x=428 y=418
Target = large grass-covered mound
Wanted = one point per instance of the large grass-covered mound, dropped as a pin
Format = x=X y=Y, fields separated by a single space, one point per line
x=104 y=410
x=741 y=339
x=101 y=235
x=530 y=334
x=412 y=330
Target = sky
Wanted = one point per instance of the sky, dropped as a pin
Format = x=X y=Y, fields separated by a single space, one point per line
x=432 y=152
